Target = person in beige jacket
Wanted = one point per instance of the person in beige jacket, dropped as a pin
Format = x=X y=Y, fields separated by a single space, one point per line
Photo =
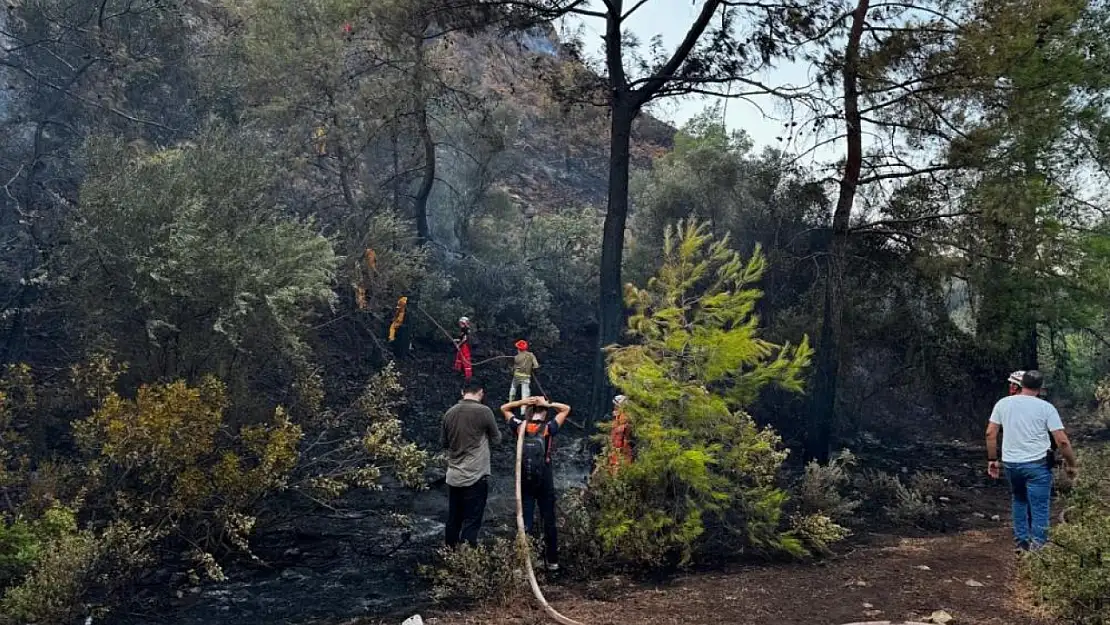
x=524 y=363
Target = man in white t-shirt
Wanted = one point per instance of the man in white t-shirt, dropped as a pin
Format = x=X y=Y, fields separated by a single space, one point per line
x=1028 y=425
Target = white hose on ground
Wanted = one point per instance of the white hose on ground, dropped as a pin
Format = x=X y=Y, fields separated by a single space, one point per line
x=524 y=547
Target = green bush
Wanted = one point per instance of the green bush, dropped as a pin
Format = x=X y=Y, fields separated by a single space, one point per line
x=74 y=566
x=22 y=541
x=705 y=476
x=184 y=259
x=505 y=296
x=1071 y=575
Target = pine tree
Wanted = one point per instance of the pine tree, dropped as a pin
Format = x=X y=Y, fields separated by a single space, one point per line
x=701 y=460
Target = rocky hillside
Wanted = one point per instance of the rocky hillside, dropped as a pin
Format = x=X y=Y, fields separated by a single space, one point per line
x=558 y=151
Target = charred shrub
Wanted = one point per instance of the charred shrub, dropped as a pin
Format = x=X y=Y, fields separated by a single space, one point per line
x=489 y=574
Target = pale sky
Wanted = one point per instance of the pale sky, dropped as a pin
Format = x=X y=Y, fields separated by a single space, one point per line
x=671 y=19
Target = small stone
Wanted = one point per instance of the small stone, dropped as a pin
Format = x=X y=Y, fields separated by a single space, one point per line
x=923 y=567
x=995 y=517
x=413 y=620
x=871 y=613
x=868 y=606
x=974 y=584
x=940 y=617
x=943 y=499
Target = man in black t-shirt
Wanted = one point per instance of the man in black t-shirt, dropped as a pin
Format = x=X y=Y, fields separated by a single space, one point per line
x=538 y=422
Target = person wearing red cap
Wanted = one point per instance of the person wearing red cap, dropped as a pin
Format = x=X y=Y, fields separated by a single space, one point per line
x=524 y=363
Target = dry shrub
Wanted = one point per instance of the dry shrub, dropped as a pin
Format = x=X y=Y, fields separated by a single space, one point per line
x=581 y=552
x=929 y=485
x=826 y=489
x=886 y=496
x=489 y=574
x=1071 y=575
x=819 y=532
x=352 y=448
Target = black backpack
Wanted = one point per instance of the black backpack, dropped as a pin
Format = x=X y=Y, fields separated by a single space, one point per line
x=533 y=462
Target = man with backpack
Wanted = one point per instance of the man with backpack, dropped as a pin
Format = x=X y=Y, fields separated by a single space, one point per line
x=1028 y=424
x=537 y=479
x=469 y=430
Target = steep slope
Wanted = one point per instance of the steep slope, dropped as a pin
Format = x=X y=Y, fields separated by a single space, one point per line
x=559 y=149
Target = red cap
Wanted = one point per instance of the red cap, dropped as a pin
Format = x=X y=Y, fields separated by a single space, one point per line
x=522 y=344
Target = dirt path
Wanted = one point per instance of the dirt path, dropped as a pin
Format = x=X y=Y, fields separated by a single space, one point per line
x=970 y=575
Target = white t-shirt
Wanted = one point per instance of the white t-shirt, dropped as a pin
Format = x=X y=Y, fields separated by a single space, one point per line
x=1026 y=422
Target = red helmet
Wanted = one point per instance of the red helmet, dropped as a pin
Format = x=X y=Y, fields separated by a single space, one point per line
x=521 y=344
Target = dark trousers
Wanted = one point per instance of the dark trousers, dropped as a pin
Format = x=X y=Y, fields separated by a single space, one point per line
x=544 y=495
x=466 y=505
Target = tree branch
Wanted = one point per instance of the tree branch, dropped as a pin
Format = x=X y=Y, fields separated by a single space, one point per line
x=664 y=75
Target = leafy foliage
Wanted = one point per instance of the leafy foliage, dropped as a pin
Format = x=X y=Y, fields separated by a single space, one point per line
x=22 y=541
x=74 y=564
x=702 y=462
x=167 y=460
x=582 y=554
x=188 y=245
x=351 y=448
x=818 y=532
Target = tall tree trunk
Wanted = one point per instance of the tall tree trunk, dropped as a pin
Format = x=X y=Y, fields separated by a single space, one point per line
x=403 y=341
x=625 y=103
x=822 y=412
x=428 y=178
x=611 y=300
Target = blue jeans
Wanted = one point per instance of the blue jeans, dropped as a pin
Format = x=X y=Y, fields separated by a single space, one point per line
x=1031 y=492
